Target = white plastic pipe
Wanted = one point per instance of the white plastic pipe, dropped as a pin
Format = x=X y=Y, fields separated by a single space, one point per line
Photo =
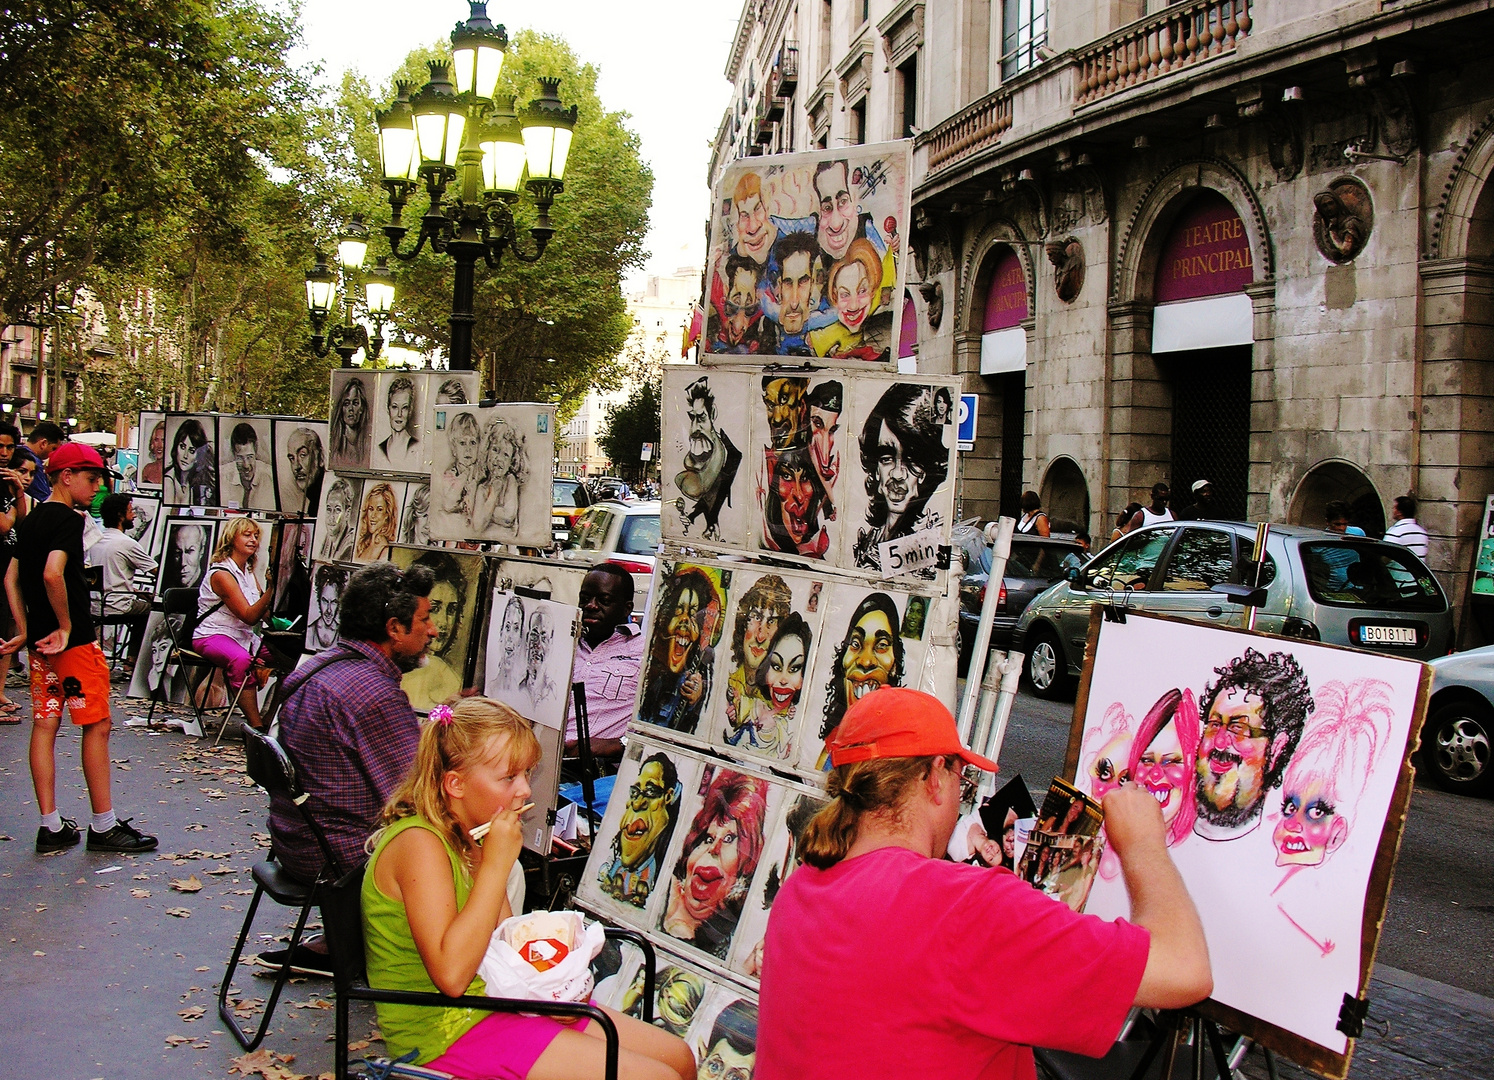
x=1002 y=548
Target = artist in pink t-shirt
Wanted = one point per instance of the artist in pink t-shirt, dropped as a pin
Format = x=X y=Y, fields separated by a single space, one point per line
x=884 y=960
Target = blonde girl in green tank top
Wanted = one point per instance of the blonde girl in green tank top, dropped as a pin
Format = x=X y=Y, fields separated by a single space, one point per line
x=432 y=898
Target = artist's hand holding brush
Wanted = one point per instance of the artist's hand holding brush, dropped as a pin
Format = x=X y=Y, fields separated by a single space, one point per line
x=1177 y=965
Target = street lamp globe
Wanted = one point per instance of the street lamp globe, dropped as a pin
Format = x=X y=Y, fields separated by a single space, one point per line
x=503 y=154
x=378 y=289
x=398 y=153
x=352 y=245
x=440 y=119
x=321 y=290
x=477 y=49
x=548 y=126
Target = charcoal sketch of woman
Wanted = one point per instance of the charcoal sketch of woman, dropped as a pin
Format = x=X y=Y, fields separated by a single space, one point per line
x=351 y=432
x=504 y=466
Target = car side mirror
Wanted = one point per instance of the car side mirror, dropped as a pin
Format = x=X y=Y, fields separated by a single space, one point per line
x=1071 y=574
x=1245 y=595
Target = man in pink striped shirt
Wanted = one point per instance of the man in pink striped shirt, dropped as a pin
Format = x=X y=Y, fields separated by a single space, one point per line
x=608 y=658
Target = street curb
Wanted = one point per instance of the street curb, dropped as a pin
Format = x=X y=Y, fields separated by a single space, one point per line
x=1448 y=995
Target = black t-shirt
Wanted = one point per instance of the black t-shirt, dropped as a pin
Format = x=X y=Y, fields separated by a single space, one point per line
x=47 y=528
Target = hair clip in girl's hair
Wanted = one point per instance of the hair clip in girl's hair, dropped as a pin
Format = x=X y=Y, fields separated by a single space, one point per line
x=441 y=714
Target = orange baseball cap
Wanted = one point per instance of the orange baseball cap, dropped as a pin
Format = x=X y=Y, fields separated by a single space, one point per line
x=896 y=722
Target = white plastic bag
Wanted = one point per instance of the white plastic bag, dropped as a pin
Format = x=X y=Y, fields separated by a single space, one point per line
x=509 y=975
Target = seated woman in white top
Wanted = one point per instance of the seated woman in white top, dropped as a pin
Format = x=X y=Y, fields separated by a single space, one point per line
x=229 y=604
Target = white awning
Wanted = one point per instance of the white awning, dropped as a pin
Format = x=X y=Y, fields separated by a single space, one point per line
x=1003 y=350
x=1203 y=324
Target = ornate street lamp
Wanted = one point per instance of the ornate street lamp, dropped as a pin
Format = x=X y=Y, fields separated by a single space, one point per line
x=459 y=133
x=322 y=289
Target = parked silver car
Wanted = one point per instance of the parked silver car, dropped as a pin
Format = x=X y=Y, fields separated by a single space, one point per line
x=1343 y=590
x=1456 y=740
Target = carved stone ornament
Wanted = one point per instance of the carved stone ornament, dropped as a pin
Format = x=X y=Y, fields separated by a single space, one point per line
x=933 y=296
x=1343 y=218
x=1067 y=257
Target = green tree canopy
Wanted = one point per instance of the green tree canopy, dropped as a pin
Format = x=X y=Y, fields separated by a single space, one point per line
x=632 y=423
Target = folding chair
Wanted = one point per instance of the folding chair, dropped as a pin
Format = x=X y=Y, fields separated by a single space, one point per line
x=343 y=922
x=270 y=767
x=93 y=576
x=198 y=668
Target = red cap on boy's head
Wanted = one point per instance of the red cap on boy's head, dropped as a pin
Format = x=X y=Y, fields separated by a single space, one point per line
x=71 y=455
x=895 y=722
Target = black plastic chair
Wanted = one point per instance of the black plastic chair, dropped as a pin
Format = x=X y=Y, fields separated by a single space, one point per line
x=271 y=768
x=93 y=577
x=179 y=610
x=342 y=918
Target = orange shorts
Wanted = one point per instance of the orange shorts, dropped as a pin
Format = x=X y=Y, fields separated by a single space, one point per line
x=76 y=678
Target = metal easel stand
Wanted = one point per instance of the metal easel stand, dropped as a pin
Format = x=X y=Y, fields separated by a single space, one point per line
x=1191 y=1029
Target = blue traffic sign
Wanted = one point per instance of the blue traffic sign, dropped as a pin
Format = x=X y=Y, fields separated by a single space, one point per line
x=966 y=428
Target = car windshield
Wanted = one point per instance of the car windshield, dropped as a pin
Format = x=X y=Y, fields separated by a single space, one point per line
x=566 y=493
x=640 y=535
x=1366 y=574
x=1046 y=561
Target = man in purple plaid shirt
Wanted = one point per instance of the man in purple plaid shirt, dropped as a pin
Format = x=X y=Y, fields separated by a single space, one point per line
x=349 y=729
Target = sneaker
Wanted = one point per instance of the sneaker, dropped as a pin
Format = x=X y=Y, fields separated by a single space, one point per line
x=303 y=961
x=123 y=838
x=50 y=840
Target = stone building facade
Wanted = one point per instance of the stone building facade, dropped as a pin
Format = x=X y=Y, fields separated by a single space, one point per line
x=1248 y=241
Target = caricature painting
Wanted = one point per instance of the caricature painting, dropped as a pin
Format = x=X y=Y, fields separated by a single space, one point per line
x=780 y=859
x=723 y=1036
x=152 y=451
x=337 y=522
x=490 y=477
x=531 y=646
x=300 y=464
x=350 y=426
x=705 y=471
x=901 y=478
x=246 y=468
x=808 y=257
x=398 y=420
x=797 y=456
x=724 y=821
x=1274 y=762
x=689 y=615
x=679 y=992
x=772 y=627
x=454 y=605
x=628 y=864
x=865 y=646
x=190 y=474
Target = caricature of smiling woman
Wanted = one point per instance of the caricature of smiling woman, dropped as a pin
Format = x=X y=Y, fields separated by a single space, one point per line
x=720 y=854
x=767 y=719
x=854 y=285
x=870 y=657
x=1161 y=759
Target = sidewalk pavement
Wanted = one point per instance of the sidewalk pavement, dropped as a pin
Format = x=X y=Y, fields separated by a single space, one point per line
x=107 y=971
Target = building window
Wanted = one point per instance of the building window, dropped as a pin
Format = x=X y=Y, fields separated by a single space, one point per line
x=827 y=15
x=1024 y=27
x=865 y=10
x=907 y=77
x=857 y=134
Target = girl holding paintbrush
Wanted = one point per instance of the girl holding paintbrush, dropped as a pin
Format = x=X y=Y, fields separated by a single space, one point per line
x=437 y=885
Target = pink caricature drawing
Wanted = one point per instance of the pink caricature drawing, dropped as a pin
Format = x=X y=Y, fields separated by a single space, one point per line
x=1328 y=776
x=1161 y=759
x=1107 y=768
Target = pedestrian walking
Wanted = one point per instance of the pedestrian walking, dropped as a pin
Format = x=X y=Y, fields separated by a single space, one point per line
x=1157 y=512
x=1405 y=529
x=1033 y=520
x=49 y=600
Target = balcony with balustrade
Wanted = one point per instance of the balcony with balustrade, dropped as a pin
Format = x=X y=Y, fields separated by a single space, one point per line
x=1178 y=39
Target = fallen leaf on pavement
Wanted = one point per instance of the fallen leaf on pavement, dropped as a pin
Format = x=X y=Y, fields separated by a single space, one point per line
x=191 y=1013
x=204 y=968
x=188 y=884
x=361 y=1044
x=314 y=1003
x=180 y=912
x=38 y=952
x=139 y=894
x=196 y=826
x=177 y=1040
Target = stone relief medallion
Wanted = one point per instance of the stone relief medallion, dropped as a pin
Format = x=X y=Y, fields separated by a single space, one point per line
x=1067 y=257
x=1343 y=217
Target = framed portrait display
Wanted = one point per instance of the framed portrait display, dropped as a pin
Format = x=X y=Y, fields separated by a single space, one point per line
x=780 y=858
x=705 y=471
x=337 y=518
x=490 y=477
x=796 y=465
x=290 y=567
x=531 y=647
x=324 y=607
x=157 y=677
x=454 y=611
x=444 y=388
x=378 y=519
x=146 y=528
x=808 y=257
x=190 y=474
x=187 y=549
x=152 y=432
x=399 y=423
x=300 y=464
x=350 y=425
x=246 y=468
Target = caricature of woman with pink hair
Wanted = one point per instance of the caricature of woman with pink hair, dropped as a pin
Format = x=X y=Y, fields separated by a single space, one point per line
x=1162 y=756
x=1107 y=766
x=1330 y=770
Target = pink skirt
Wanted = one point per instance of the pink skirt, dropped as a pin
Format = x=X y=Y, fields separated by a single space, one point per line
x=502 y=1046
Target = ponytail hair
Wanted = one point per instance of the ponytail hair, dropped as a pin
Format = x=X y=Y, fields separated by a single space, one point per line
x=467 y=738
x=875 y=786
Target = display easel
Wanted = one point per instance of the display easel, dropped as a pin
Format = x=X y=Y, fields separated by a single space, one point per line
x=1174 y=1029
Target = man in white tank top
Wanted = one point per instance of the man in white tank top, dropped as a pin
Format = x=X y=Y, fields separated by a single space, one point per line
x=1157 y=512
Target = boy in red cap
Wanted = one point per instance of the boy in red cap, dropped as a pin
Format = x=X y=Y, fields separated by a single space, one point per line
x=50 y=602
x=919 y=966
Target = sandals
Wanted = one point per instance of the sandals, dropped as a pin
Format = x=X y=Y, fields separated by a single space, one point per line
x=10 y=712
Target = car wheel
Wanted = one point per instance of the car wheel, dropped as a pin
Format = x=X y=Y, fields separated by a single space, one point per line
x=1047 y=667
x=1456 y=744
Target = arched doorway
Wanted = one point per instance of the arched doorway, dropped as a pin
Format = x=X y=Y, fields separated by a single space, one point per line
x=1065 y=495
x=1003 y=363
x=1331 y=481
x=1202 y=334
